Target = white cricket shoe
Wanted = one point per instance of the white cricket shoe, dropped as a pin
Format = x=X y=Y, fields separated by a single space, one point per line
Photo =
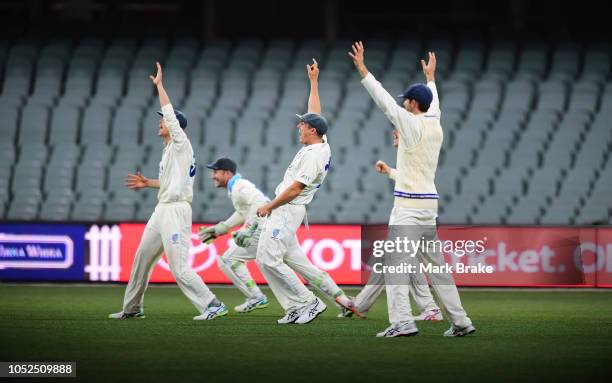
x=401 y=329
x=122 y=315
x=289 y=317
x=433 y=315
x=460 y=331
x=212 y=312
x=252 y=304
x=310 y=312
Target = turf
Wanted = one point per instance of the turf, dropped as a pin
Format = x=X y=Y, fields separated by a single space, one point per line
x=522 y=336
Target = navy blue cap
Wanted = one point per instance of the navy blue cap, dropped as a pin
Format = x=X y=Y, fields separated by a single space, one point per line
x=223 y=163
x=315 y=120
x=419 y=93
x=179 y=116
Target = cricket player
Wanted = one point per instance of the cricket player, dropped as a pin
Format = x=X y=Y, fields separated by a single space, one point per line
x=169 y=228
x=428 y=310
x=416 y=198
x=246 y=198
x=279 y=252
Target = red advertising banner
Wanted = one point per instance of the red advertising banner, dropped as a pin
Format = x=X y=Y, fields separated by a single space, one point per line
x=525 y=256
x=335 y=249
x=517 y=256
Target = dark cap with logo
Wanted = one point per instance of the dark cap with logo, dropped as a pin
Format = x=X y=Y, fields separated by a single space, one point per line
x=419 y=93
x=180 y=116
x=315 y=120
x=223 y=163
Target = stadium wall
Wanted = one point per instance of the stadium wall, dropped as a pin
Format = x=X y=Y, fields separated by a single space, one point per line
x=103 y=252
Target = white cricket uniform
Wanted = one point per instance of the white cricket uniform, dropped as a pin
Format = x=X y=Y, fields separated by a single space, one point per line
x=279 y=254
x=246 y=198
x=419 y=287
x=169 y=228
x=416 y=198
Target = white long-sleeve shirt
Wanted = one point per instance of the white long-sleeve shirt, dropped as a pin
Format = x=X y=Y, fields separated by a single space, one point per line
x=420 y=140
x=407 y=124
x=309 y=167
x=177 y=168
x=246 y=198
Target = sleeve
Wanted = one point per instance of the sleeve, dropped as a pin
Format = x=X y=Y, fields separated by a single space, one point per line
x=392 y=173
x=434 y=108
x=407 y=125
x=307 y=170
x=177 y=134
x=234 y=220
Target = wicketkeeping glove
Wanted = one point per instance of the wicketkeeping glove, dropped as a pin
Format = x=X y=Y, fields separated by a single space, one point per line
x=208 y=234
x=243 y=236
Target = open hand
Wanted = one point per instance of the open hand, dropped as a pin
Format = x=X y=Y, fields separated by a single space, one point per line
x=158 y=77
x=429 y=68
x=136 y=181
x=357 y=54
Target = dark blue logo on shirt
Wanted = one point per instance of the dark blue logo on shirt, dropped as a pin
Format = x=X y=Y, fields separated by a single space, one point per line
x=192 y=171
x=328 y=164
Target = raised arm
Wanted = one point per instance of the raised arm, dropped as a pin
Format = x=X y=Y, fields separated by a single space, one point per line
x=358 y=58
x=157 y=81
x=429 y=70
x=314 y=102
x=176 y=133
x=381 y=97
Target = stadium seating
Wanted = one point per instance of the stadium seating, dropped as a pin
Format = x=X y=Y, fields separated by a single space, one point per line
x=526 y=124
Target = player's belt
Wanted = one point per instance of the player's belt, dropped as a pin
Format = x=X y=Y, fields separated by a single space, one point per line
x=402 y=194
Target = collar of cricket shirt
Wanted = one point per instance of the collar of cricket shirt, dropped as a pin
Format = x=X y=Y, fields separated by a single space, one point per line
x=230 y=183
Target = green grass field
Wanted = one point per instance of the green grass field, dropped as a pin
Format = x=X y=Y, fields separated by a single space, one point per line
x=522 y=336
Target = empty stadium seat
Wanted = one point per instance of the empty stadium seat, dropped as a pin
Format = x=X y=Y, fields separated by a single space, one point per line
x=526 y=124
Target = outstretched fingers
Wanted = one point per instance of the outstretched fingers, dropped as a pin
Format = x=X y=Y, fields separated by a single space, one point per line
x=357 y=50
x=130 y=181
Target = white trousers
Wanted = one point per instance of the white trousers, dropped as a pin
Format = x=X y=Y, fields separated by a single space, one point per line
x=168 y=231
x=233 y=264
x=419 y=290
x=442 y=283
x=279 y=254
